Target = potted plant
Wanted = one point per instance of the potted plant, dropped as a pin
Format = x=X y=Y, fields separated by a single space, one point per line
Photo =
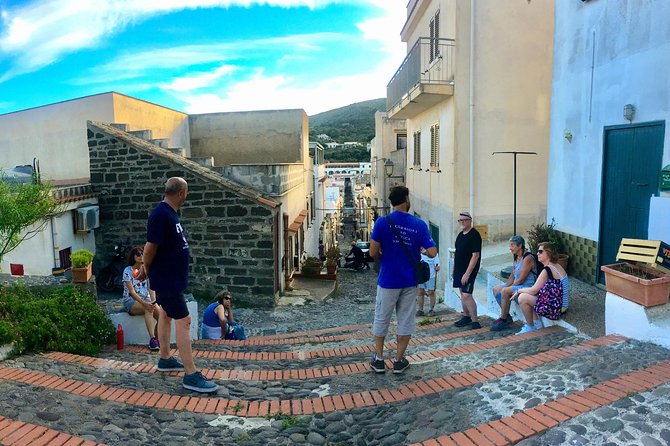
x=332 y=258
x=312 y=266
x=81 y=265
x=645 y=286
x=547 y=233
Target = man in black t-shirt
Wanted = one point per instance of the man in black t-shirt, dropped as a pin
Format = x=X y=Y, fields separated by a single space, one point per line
x=355 y=256
x=166 y=260
x=466 y=266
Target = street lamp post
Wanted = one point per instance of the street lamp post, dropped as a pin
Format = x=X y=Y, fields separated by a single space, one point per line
x=388 y=170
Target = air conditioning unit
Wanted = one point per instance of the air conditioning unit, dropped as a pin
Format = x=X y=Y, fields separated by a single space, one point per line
x=86 y=218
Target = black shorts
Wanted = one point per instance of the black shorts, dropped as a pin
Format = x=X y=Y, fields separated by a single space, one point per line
x=469 y=287
x=174 y=304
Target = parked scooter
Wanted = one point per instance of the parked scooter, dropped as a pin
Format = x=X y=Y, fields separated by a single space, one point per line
x=110 y=277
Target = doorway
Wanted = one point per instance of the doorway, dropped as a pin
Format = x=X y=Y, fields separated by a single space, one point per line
x=631 y=163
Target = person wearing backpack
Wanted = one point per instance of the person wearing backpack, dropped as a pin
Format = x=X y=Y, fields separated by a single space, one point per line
x=545 y=298
x=395 y=242
x=523 y=275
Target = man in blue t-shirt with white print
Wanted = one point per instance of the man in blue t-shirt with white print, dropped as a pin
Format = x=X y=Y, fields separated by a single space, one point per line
x=166 y=260
x=396 y=285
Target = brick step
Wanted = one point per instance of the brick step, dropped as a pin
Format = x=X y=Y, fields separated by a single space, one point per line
x=307 y=373
x=205 y=161
x=306 y=406
x=18 y=433
x=177 y=151
x=538 y=419
x=343 y=328
x=142 y=134
x=122 y=127
x=361 y=334
x=310 y=354
x=161 y=142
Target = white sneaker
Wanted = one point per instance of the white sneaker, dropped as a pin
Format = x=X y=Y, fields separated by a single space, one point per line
x=537 y=323
x=525 y=329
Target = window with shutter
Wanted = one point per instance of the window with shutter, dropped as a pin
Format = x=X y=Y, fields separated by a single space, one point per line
x=434 y=36
x=435 y=145
x=417 y=148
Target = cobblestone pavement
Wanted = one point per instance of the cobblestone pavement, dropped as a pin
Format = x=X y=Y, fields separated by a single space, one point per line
x=303 y=379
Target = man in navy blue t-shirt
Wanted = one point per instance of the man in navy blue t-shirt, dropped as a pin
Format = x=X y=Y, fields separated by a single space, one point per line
x=166 y=263
x=396 y=285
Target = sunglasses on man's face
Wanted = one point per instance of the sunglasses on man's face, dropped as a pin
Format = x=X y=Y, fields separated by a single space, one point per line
x=540 y=251
x=463 y=219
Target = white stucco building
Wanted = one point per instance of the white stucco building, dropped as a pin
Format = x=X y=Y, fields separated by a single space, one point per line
x=610 y=103
x=476 y=80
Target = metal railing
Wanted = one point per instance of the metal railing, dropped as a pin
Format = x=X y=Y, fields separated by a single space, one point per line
x=430 y=61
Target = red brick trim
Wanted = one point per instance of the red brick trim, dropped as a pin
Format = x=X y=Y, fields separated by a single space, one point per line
x=275 y=375
x=18 y=433
x=335 y=402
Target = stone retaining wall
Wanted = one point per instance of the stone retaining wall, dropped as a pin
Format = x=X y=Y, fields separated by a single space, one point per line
x=228 y=226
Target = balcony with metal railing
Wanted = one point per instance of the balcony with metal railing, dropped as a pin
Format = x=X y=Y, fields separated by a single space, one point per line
x=424 y=78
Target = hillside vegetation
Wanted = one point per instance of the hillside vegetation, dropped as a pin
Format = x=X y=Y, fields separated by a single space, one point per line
x=355 y=122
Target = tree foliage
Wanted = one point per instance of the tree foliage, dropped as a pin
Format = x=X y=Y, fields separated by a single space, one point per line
x=23 y=212
x=347 y=155
x=355 y=122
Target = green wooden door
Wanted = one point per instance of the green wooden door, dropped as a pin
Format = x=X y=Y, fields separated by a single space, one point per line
x=632 y=161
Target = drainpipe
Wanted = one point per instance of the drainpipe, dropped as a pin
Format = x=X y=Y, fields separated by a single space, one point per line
x=472 y=106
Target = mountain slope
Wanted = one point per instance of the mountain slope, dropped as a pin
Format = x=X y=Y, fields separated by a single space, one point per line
x=355 y=122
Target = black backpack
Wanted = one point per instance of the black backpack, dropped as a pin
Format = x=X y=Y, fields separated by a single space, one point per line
x=538 y=266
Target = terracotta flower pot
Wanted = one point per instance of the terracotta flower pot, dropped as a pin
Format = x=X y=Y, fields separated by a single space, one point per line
x=563 y=261
x=644 y=286
x=331 y=269
x=82 y=275
x=311 y=271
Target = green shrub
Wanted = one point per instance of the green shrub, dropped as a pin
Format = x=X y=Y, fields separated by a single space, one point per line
x=81 y=258
x=541 y=232
x=63 y=319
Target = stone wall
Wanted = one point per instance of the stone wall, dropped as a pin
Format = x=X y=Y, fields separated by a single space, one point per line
x=228 y=226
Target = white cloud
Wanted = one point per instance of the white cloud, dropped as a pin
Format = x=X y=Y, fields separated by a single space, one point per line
x=42 y=32
x=201 y=80
x=261 y=92
x=145 y=63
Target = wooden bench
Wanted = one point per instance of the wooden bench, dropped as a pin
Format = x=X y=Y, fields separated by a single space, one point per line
x=651 y=253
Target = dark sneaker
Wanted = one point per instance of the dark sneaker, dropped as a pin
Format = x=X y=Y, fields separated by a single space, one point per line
x=419 y=313
x=400 y=366
x=462 y=322
x=198 y=383
x=378 y=365
x=154 y=344
x=171 y=364
x=475 y=326
x=431 y=313
x=498 y=325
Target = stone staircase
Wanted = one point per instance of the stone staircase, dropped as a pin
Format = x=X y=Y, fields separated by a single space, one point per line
x=464 y=387
x=164 y=143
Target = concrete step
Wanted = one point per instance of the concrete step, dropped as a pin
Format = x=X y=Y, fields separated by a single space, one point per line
x=142 y=134
x=161 y=142
x=205 y=161
x=123 y=127
x=177 y=151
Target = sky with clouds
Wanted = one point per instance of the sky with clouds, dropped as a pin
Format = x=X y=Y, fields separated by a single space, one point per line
x=200 y=56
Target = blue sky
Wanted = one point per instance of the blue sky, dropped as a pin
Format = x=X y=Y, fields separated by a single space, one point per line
x=200 y=56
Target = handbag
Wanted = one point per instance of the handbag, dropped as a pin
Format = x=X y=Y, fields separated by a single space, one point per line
x=421 y=268
x=550 y=298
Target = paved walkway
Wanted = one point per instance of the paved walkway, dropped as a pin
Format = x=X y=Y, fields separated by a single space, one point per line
x=303 y=378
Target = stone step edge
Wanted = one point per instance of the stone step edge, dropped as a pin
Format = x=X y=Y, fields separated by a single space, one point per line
x=292 y=341
x=270 y=340
x=19 y=433
x=314 y=354
x=260 y=408
x=311 y=373
x=536 y=420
